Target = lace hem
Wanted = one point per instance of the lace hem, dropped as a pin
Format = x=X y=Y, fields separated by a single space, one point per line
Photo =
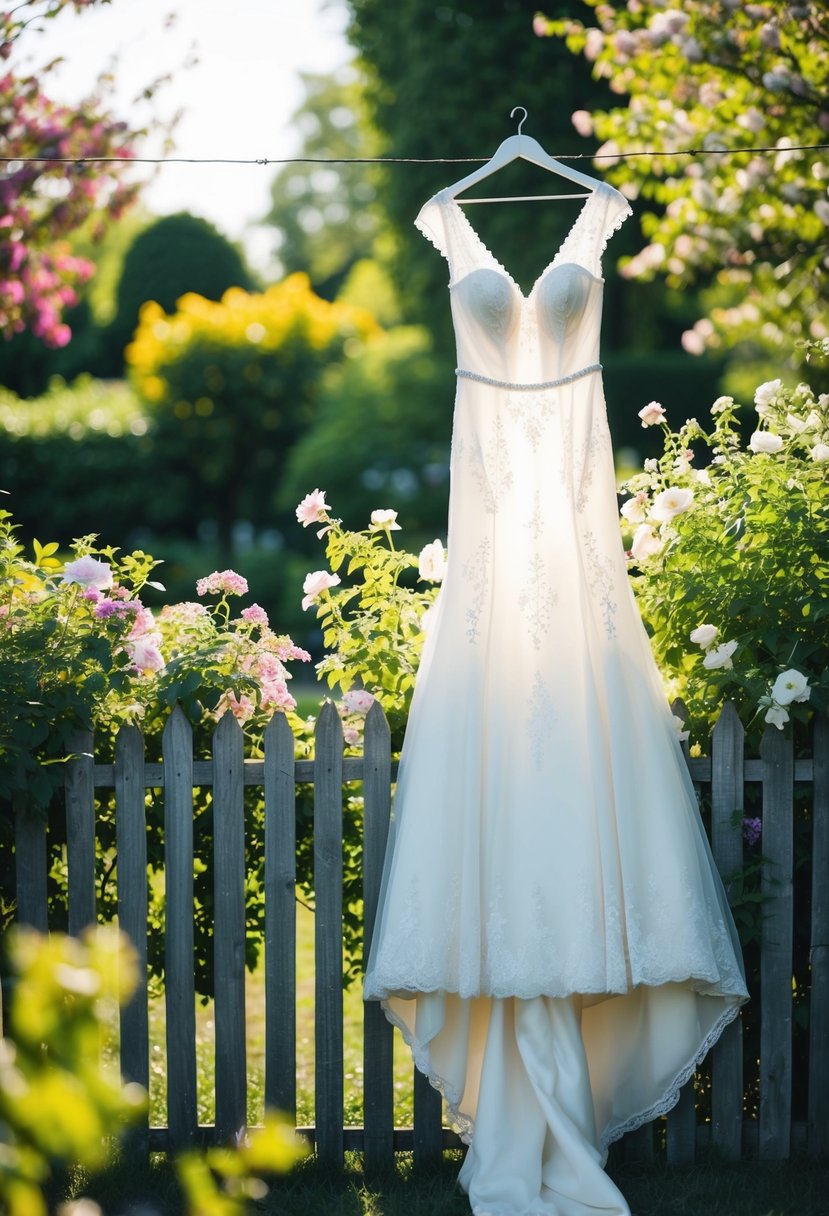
x=465 y=1125
x=671 y=1097
x=730 y=986
x=424 y=229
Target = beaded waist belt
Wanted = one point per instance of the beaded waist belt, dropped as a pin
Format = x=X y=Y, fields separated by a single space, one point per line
x=529 y=388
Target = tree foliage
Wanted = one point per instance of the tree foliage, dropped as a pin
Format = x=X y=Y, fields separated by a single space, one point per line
x=326 y=215
x=714 y=76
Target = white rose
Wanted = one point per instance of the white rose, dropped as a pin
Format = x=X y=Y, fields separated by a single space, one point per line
x=645 y=542
x=764 y=394
x=671 y=502
x=765 y=441
x=721 y=657
x=651 y=465
x=777 y=716
x=790 y=686
x=384 y=521
x=703 y=476
x=635 y=509
x=722 y=403
x=431 y=563
x=704 y=635
x=820 y=452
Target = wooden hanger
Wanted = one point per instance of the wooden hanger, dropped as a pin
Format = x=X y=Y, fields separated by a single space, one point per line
x=525 y=148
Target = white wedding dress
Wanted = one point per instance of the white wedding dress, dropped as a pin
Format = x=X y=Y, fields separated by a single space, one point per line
x=552 y=938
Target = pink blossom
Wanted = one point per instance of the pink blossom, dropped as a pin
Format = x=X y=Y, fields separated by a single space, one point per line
x=241 y=707
x=582 y=120
x=313 y=508
x=652 y=414
x=144 y=622
x=276 y=696
x=88 y=572
x=315 y=584
x=351 y=735
x=256 y=615
x=145 y=653
x=226 y=582
x=539 y=26
x=358 y=701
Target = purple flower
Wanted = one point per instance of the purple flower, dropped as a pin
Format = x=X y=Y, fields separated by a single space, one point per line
x=752 y=830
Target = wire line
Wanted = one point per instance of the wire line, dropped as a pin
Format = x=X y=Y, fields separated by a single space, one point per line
x=390 y=160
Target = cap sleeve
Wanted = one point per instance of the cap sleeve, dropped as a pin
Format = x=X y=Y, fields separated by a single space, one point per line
x=617 y=210
x=431 y=222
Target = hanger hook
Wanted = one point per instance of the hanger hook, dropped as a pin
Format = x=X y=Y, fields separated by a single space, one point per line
x=514 y=111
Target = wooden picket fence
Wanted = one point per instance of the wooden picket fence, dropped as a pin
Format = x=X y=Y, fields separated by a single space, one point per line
x=772 y=1135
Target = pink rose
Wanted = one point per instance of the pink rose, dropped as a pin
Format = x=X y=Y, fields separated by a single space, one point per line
x=652 y=414
x=145 y=653
x=256 y=615
x=358 y=701
x=315 y=583
x=313 y=508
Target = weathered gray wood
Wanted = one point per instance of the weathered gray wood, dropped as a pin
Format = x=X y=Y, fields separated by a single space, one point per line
x=131 y=846
x=30 y=864
x=378 y=1043
x=179 y=981
x=727 y=844
x=280 y=917
x=229 y=927
x=818 y=1126
x=80 y=832
x=428 y=1119
x=328 y=888
x=682 y=1128
x=776 y=946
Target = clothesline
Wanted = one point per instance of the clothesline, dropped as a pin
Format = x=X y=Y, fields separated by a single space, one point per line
x=393 y=160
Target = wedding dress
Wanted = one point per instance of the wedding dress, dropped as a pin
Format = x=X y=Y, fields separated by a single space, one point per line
x=552 y=937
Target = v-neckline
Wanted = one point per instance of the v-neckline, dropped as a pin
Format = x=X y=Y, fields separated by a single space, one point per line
x=525 y=296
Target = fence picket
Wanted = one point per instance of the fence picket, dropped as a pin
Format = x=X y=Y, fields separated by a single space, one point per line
x=681 y=1130
x=776 y=947
x=179 y=980
x=727 y=845
x=378 y=1079
x=818 y=1134
x=428 y=1119
x=30 y=864
x=131 y=846
x=328 y=894
x=280 y=917
x=80 y=831
x=229 y=927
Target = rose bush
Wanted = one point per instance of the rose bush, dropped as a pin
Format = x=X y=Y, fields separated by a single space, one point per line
x=730 y=559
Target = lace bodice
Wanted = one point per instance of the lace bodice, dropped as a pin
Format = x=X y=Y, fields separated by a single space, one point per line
x=550 y=332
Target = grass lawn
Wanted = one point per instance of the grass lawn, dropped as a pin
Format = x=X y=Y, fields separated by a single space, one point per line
x=711 y=1188
x=255 y=1014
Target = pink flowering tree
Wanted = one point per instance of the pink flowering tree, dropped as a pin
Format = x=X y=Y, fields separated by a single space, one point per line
x=719 y=75
x=42 y=202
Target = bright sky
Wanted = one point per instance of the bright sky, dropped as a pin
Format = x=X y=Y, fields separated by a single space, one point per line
x=237 y=100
